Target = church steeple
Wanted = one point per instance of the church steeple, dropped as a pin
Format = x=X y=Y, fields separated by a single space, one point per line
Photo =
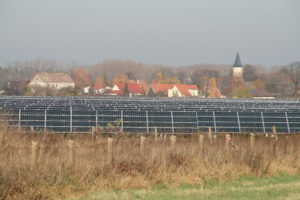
x=237 y=62
x=237 y=69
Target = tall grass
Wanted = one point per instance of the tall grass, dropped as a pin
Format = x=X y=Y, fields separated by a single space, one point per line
x=53 y=178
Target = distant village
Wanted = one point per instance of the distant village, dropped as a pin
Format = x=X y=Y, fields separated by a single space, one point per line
x=78 y=83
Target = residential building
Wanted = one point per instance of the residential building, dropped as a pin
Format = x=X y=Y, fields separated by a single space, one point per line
x=134 y=89
x=86 y=90
x=183 y=90
x=175 y=90
x=101 y=90
x=52 y=80
x=160 y=89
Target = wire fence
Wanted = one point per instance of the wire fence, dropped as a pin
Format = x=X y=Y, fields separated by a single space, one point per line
x=173 y=122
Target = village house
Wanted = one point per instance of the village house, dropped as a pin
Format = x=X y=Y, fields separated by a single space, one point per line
x=98 y=90
x=183 y=90
x=86 y=90
x=134 y=89
x=52 y=80
x=175 y=90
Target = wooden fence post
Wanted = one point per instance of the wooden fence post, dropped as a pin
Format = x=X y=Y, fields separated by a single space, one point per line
x=173 y=144
x=252 y=141
x=165 y=137
x=161 y=136
x=227 y=141
x=71 y=153
x=215 y=138
x=109 y=151
x=274 y=131
x=201 y=143
x=210 y=137
x=142 y=145
x=31 y=128
x=94 y=134
x=34 y=148
x=155 y=134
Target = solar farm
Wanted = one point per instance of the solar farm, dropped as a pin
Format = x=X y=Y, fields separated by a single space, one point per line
x=144 y=115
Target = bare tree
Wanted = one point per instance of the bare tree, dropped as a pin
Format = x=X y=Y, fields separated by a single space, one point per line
x=293 y=72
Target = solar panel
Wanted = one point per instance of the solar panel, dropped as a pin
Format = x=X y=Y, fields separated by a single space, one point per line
x=144 y=114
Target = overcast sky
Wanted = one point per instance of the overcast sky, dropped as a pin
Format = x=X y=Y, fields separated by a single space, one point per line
x=175 y=32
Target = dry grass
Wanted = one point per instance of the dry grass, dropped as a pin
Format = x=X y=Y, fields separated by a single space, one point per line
x=54 y=179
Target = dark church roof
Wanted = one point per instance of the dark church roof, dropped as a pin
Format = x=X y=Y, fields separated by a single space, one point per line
x=237 y=62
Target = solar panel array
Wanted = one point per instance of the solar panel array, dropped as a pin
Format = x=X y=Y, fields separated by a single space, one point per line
x=143 y=114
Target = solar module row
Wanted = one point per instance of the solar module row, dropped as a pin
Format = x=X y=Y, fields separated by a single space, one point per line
x=176 y=115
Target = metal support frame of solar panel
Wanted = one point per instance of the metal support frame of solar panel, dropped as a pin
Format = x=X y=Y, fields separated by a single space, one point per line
x=168 y=115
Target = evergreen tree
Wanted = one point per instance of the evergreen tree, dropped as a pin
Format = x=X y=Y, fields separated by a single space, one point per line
x=151 y=93
x=126 y=90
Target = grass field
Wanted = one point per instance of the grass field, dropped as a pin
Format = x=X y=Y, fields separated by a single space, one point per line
x=40 y=166
x=281 y=187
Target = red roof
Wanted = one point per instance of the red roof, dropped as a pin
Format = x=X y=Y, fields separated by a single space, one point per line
x=161 y=87
x=184 y=89
x=133 y=88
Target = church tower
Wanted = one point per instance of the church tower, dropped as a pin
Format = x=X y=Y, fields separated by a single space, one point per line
x=237 y=68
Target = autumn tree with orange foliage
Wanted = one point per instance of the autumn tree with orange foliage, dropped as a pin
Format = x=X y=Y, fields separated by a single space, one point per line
x=212 y=89
x=172 y=80
x=100 y=82
x=259 y=85
x=159 y=77
x=237 y=88
x=81 y=78
x=120 y=78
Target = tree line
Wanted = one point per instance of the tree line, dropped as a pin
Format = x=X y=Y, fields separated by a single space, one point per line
x=279 y=81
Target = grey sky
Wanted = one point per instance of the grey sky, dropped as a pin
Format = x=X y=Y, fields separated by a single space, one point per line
x=175 y=32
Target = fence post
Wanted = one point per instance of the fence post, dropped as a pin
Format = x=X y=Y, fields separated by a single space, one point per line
x=201 y=143
x=238 y=120
x=197 y=121
x=165 y=137
x=215 y=137
x=274 y=130
x=70 y=153
x=252 y=141
x=31 y=128
x=263 y=121
x=173 y=144
x=142 y=145
x=267 y=135
x=93 y=134
x=109 y=151
x=147 y=121
x=227 y=141
x=122 y=121
x=45 y=121
x=210 y=135
x=96 y=121
x=34 y=148
x=19 y=122
x=71 y=120
x=155 y=134
x=287 y=122
x=215 y=122
x=172 y=117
